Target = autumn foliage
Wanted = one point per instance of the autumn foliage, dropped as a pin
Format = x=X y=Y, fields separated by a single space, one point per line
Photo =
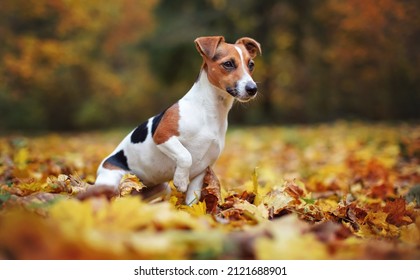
x=341 y=191
x=64 y=62
x=89 y=64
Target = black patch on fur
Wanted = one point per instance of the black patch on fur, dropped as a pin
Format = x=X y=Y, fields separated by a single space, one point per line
x=139 y=134
x=233 y=90
x=156 y=121
x=119 y=159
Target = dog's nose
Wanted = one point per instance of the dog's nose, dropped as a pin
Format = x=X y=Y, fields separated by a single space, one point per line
x=251 y=88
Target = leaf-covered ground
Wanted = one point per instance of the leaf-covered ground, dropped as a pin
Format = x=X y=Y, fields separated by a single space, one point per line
x=340 y=191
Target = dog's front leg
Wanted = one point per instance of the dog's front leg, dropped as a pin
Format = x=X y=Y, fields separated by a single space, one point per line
x=174 y=149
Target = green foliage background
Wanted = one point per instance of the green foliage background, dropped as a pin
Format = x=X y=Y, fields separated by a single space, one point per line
x=68 y=64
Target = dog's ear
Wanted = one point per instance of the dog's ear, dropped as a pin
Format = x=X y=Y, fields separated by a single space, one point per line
x=207 y=46
x=251 y=45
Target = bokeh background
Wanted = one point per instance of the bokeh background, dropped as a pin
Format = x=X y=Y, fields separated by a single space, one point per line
x=77 y=65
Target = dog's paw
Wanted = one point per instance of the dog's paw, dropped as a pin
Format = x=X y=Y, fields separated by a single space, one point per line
x=181 y=181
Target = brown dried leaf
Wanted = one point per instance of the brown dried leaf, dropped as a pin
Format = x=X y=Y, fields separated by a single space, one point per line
x=397 y=212
x=294 y=190
x=210 y=192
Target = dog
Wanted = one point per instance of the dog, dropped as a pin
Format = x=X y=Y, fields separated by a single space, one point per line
x=181 y=142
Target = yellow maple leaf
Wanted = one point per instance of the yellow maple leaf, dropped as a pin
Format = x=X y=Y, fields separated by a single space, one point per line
x=375 y=224
x=257 y=213
x=276 y=199
x=198 y=209
x=327 y=205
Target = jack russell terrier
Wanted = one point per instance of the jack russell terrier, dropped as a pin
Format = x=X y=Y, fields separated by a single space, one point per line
x=182 y=141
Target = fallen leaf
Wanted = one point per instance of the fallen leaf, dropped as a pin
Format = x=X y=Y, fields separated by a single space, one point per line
x=210 y=193
x=311 y=197
x=397 y=212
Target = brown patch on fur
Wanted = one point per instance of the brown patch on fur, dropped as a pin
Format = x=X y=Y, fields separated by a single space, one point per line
x=221 y=77
x=110 y=166
x=252 y=46
x=207 y=46
x=168 y=126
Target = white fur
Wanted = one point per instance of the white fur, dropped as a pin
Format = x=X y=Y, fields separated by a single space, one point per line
x=246 y=78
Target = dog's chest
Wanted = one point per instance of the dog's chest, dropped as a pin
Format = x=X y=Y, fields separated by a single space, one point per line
x=203 y=134
x=201 y=130
x=205 y=147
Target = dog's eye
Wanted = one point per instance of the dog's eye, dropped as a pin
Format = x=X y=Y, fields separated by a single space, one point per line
x=251 y=65
x=228 y=65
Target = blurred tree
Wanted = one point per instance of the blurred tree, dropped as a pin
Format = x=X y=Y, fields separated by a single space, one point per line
x=321 y=59
x=374 y=57
x=79 y=64
x=66 y=64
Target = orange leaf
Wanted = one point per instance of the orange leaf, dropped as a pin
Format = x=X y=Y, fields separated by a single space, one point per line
x=397 y=212
x=210 y=194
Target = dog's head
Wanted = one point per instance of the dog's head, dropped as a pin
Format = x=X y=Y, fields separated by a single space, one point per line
x=229 y=67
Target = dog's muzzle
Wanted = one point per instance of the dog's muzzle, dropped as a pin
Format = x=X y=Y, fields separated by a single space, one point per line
x=247 y=93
